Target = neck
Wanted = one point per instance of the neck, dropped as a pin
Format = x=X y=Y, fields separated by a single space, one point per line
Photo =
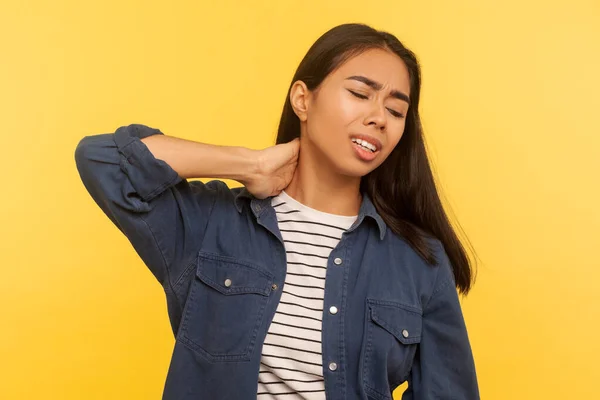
x=316 y=185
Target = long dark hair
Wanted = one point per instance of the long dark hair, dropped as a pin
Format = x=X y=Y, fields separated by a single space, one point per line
x=402 y=188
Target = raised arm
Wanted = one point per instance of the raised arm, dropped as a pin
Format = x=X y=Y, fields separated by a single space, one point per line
x=137 y=174
x=199 y=160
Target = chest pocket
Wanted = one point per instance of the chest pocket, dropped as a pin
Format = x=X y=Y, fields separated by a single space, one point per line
x=392 y=334
x=225 y=307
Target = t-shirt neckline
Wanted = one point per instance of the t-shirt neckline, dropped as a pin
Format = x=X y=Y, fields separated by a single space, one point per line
x=311 y=211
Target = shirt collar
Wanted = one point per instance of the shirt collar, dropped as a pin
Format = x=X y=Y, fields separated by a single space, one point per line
x=367 y=209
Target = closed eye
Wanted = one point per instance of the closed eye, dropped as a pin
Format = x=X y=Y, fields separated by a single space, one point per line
x=360 y=96
x=394 y=113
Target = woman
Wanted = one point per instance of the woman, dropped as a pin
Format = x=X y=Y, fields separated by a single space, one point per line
x=332 y=272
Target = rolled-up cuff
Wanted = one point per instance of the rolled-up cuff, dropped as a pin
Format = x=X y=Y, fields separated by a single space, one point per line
x=148 y=175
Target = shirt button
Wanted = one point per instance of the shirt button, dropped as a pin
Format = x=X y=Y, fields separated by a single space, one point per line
x=227 y=282
x=333 y=310
x=332 y=366
x=405 y=333
x=337 y=261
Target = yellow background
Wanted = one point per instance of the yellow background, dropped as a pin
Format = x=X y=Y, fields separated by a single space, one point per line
x=510 y=108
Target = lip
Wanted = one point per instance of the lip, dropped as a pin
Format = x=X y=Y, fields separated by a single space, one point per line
x=371 y=139
x=363 y=154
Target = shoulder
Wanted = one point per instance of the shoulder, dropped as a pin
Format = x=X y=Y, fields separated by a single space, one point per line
x=428 y=279
x=444 y=275
x=224 y=198
x=215 y=187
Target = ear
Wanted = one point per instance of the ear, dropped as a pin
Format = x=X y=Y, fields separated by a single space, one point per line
x=300 y=99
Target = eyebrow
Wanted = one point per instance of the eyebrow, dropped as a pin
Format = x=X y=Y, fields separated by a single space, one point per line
x=377 y=86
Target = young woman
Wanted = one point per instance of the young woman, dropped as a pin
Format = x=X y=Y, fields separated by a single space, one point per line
x=332 y=272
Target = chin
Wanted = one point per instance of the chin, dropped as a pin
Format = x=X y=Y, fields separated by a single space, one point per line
x=349 y=166
x=354 y=170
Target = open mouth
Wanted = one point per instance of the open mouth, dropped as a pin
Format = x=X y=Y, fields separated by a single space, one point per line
x=365 y=145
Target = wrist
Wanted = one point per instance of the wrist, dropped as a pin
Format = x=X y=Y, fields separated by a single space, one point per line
x=250 y=165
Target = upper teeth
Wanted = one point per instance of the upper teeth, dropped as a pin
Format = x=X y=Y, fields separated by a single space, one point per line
x=364 y=143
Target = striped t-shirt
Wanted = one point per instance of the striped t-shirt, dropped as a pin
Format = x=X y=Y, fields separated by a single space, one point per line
x=291 y=364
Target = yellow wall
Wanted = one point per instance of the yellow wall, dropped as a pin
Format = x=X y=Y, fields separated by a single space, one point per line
x=510 y=106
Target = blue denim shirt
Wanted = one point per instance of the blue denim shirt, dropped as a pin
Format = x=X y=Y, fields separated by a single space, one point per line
x=399 y=319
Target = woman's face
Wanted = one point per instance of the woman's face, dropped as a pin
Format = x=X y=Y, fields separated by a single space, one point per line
x=355 y=118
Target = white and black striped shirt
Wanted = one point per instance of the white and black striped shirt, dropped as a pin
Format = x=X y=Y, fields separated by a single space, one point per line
x=291 y=364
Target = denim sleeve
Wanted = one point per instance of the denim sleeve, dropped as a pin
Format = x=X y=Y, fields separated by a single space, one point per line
x=444 y=367
x=163 y=216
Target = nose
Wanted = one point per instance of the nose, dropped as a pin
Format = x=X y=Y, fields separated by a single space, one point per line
x=376 y=117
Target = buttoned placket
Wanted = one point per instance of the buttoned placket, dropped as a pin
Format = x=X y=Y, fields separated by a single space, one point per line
x=332 y=343
x=333 y=336
x=333 y=310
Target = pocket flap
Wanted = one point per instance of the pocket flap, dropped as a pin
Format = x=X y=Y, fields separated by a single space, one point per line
x=402 y=321
x=230 y=276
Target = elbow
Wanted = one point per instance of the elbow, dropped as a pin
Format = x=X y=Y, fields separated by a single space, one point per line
x=95 y=148
x=82 y=154
x=94 y=153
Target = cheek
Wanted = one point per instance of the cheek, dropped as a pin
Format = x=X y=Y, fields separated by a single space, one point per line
x=328 y=122
x=394 y=138
x=349 y=111
x=396 y=132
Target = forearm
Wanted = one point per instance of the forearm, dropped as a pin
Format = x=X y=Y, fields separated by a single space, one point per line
x=192 y=159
